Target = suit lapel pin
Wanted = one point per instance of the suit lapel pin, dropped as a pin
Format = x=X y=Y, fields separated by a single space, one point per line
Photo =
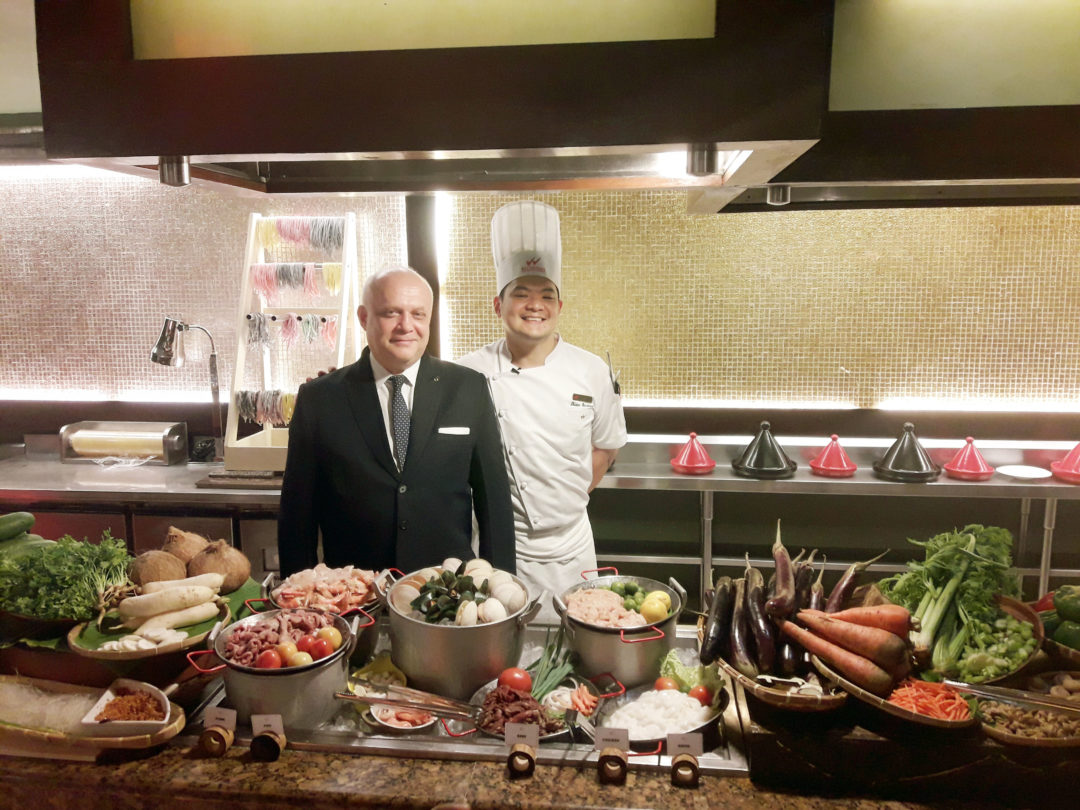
x=434 y=379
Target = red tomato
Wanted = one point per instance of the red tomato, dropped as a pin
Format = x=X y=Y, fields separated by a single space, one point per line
x=268 y=659
x=320 y=648
x=1046 y=602
x=516 y=678
x=665 y=683
x=303 y=644
x=701 y=694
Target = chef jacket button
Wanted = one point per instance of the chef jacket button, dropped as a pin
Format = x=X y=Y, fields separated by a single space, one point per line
x=512 y=450
x=524 y=484
x=403 y=525
x=502 y=413
x=403 y=489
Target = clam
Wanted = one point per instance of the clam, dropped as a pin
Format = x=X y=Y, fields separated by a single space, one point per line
x=415 y=580
x=511 y=595
x=426 y=573
x=466 y=614
x=402 y=595
x=497 y=578
x=478 y=567
x=451 y=564
x=491 y=611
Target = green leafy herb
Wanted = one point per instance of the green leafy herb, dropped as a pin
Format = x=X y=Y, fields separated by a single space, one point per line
x=552 y=667
x=63 y=580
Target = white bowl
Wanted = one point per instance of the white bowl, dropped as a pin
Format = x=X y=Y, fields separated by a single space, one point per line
x=379 y=712
x=125 y=728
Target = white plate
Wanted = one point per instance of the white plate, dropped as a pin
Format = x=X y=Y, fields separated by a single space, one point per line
x=1023 y=471
x=125 y=728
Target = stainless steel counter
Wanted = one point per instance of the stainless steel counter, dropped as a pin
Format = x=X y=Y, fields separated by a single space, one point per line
x=30 y=482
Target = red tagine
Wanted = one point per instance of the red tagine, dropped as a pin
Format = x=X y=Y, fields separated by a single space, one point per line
x=693 y=458
x=1068 y=469
x=968 y=464
x=832 y=461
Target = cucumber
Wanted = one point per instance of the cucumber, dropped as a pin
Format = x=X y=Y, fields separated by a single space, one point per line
x=19 y=546
x=14 y=524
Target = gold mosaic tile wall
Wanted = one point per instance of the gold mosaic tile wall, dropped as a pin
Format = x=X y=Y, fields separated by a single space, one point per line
x=89 y=267
x=977 y=306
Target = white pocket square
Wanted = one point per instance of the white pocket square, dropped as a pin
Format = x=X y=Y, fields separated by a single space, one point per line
x=455 y=431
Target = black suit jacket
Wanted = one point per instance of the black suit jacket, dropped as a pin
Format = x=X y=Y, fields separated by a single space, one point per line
x=340 y=474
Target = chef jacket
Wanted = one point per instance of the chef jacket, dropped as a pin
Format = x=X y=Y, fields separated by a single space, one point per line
x=551 y=417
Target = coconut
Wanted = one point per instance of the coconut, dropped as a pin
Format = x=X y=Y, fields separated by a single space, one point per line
x=155 y=566
x=184 y=545
x=221 y=558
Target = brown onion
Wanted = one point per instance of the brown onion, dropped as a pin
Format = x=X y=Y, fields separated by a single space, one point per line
x=221 y=558
x=155 y=566
x=184 y=545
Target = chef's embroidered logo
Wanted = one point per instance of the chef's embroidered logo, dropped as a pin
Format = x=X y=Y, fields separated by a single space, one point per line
x=533 y=266
x=581 y=401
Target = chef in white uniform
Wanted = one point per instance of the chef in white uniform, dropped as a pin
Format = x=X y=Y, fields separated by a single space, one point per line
x=561 y=419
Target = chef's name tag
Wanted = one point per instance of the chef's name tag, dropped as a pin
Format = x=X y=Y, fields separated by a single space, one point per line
x=522 y=733
x=267 y=723
x=612 y=738
x=689 y=743
x=221 y=717
x=581 y=400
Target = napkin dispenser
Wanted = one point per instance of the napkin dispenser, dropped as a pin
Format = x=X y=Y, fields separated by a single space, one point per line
x=160 y=442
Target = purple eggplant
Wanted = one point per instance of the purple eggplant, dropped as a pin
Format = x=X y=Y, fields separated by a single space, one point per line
x=718 y=622
x=817 y=589
x=742 y=639
x=764 y=631
x=789 y=658
x=783 y=601
x=804 y=575
x=843 y=589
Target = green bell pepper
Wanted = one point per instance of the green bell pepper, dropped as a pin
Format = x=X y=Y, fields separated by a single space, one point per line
x=1068 y=634
x=1051 y=621
x=1067 y=602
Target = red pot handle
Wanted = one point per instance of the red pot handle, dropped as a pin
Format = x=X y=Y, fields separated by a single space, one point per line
x=618 y=683
x=257 y=599
x=659 y=745
x=611 y=568
x=191 y=656
x=625 y=640
x=370 y=619
x=452 y=734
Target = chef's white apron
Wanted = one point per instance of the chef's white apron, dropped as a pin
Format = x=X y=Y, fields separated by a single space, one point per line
x=553 y=561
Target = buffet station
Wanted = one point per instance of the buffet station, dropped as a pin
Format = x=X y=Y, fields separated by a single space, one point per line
x=940 y=674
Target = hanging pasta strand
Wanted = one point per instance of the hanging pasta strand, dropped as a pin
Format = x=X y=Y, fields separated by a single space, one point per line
x=294 y=229
x=329 y=331
x=258 y=333
x=267 y=233
x=309 y=325
x=290 y=275
x=311 y=281
x=290 y=329
x=264 y=280
x=288 y=405
x=245 y=405
x=327 y=233
x=331 y=276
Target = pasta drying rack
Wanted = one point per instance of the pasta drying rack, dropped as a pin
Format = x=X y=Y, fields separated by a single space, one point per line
x=270 y=367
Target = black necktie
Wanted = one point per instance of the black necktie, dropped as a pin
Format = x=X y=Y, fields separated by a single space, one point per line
x=399 y=419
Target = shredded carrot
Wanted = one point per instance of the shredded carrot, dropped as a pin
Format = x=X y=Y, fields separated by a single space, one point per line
x=931 y=699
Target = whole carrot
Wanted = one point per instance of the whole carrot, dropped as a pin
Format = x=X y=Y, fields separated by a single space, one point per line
x=882 y=647
x=894 y=618
x=855 y=668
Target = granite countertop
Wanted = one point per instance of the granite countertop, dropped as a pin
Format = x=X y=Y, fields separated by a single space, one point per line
x=179 y=777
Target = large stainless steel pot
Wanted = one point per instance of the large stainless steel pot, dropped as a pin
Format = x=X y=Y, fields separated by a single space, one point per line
x=303 y=696
x=455 y=661
x=631 y=654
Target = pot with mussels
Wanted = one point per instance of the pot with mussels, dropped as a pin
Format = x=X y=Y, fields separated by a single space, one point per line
x=456 y=626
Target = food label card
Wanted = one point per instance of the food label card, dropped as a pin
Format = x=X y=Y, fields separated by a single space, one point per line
x=263 y=723
x=612 y=738
x=524 y=733
x=221 y=717
x=684 y=744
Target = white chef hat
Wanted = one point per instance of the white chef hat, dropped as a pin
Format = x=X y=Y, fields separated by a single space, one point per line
x=525 y=241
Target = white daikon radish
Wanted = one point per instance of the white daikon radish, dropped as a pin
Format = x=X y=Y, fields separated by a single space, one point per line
x=151 y=604
x=177 y=618
x=212 y=581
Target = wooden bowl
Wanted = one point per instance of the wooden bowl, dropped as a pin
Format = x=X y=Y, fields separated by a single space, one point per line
x=780 y=698
x=1026 y=613
x=871 y=699
x=85 y=639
